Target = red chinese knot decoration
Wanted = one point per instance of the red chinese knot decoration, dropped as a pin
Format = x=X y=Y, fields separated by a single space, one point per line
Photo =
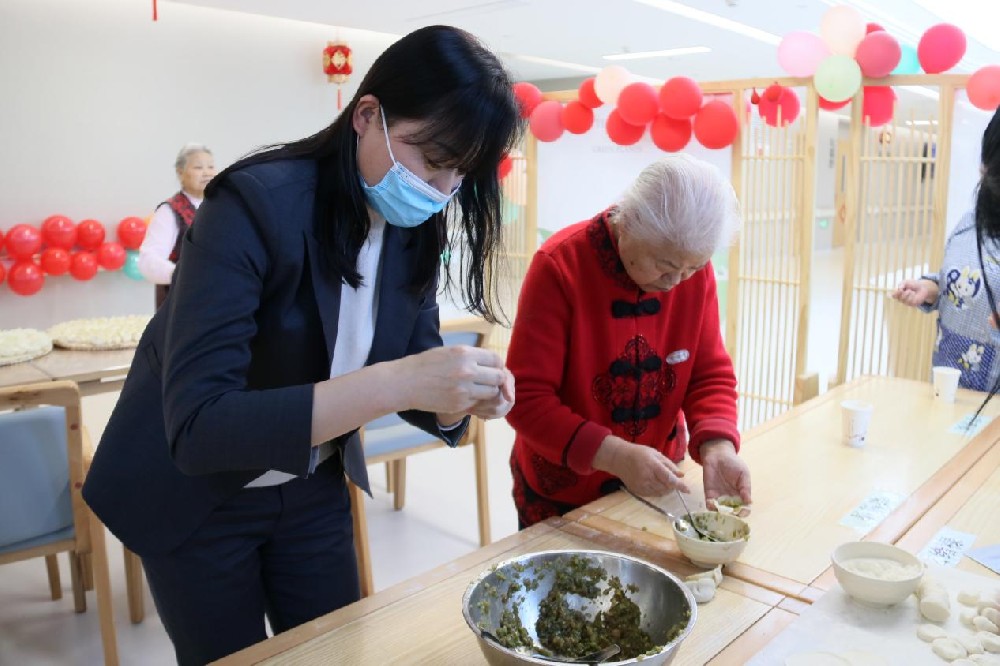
x=337 y=65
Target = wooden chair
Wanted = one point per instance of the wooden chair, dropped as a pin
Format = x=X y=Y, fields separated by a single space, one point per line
x=391 y=440
x=44 y=457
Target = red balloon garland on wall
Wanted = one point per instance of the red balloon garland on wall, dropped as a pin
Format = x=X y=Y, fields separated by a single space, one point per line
x=58 y=246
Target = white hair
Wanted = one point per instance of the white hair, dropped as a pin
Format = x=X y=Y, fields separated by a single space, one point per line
x=683 y=200
x=187 y=151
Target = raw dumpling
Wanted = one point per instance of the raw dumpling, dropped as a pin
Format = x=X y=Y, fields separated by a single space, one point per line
x=991 y=614
x=972 y=644
x=703 y=589
x=980 y=623
x=985 y=660
x=991 y=642
x=948 y=649
x=966 y=616
x=968 y=597
x=990 y=599
x=715 y=575
x=935 y=607
x=930 y=633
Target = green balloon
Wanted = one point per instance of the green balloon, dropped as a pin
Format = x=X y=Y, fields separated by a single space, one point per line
x=131 y=267
x=909 y=63
x=837 y=78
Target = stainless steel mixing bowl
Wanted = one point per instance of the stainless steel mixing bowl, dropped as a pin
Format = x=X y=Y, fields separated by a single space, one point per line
x=662 y=598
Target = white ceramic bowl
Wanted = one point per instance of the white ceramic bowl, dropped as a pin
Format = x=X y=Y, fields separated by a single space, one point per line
x=869 y=590
x=710 y=554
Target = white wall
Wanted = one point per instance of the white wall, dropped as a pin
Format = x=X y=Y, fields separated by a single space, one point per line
x=966 y=147
x=97 y=99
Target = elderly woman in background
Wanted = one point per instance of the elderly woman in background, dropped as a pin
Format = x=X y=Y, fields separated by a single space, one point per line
x=160 y=249
x=617 y=332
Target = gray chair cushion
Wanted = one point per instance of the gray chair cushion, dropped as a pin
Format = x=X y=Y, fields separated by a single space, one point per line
x=34 y=477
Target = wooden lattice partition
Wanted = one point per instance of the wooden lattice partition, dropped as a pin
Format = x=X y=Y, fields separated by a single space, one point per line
x=895 y=207
x=773 y=171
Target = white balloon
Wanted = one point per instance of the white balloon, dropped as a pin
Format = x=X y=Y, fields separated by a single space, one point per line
x=609 y=83
x=842 y=28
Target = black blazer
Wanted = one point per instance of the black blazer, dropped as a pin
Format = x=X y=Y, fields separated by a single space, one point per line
x=221 y=387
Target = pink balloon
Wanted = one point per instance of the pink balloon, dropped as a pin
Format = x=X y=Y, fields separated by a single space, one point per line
x=546 y=121
x=941 y=48
x=800 y=53
x=878 y=104
x=878 y=54
x=983 y=88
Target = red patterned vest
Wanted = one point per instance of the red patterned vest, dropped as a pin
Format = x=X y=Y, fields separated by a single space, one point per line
x=184 y=212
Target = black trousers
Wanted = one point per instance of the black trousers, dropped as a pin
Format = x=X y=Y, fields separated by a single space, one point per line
x=284 y=551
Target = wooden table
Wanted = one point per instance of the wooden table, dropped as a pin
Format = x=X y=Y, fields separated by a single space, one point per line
x=805 y=480
x=93 y=371
x=420 y=621
x=969 y=506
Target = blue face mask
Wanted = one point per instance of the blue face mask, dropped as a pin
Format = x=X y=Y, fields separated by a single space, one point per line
x=401 y=197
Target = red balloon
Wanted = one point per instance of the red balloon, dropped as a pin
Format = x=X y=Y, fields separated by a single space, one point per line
x=506 y=166
x=833 y=106
x=873 y=27
x=621 y=132
x=716 y=125
x=786 y=102
x=877 y=105
x=23 y=241
x=878 y=54
x=131 y=231
x=528 y=96
x=25 y=278
x=638 y=103
x=546 y=121
x=577 y=117
x=111 y=256
x=55 y=261
x=941 y=47
x=89 y=234
x=585 y=93
x=83 y=265
x=59 y=231
x=983 y=88
x=670 y=134
x=680 y=97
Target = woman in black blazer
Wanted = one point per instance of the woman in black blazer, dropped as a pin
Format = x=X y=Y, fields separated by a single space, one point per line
x=302 y=308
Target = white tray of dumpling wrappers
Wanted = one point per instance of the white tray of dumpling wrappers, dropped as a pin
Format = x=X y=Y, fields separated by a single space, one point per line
x=838 y=631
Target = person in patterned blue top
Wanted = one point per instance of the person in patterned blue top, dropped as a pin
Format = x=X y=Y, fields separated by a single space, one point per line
x=963 y=290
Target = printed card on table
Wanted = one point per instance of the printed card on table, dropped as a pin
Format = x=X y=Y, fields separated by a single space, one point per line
x=969 y=427
x=947 y=547
x=871 y=511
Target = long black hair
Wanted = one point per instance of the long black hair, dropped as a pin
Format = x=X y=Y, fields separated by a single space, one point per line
x=446 y=79
x=988 y=215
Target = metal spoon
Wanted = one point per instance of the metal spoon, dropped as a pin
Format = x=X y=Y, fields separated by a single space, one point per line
x=708 y=536
x=681 y=523
x=596 y=657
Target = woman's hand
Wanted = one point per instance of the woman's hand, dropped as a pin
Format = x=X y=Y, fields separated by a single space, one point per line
x=724 y=472
x=644 y=470
x=916 y=292
x=455 y=380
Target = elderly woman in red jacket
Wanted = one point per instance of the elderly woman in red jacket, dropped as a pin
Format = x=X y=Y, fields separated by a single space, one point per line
x=617 y=332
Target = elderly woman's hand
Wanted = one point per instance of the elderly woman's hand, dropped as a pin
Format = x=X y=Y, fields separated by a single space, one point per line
x=642 y=469
x=725 y=473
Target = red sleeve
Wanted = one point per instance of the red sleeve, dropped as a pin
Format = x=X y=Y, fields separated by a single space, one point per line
x=537 y=357
x=710 y=403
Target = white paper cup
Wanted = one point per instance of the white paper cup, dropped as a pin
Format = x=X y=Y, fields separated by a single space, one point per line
x=857 y=414
x=945 y=382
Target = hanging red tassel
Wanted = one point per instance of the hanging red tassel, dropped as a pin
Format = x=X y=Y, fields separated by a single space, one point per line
x=755 y=97
x=154 y=10
x=339 y=104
